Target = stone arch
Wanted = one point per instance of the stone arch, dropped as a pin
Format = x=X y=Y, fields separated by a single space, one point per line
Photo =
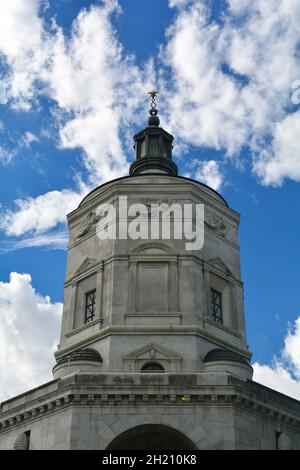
x=151 y=437
x=283 y=441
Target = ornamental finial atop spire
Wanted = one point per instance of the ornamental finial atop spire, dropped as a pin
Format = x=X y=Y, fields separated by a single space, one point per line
x=153 y=119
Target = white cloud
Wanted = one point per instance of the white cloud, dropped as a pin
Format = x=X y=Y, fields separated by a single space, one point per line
x=291 y=351
x=278 y=378
x=232 y=81
x=29 y=138
x=97 y=89
x=208 y=172
x=41 y=213
x=20 y=27
x=282 y=160
x=284 y=374
x=29 y=329
x=57 y=240
x=101 y=86
x=21 y=38
x=179 y=3
x=5 y=155
x=95 y=85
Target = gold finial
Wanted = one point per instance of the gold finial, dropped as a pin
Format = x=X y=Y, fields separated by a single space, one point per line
x=153 y=93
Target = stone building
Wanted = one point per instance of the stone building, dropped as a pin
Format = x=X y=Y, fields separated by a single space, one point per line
x=153 y=351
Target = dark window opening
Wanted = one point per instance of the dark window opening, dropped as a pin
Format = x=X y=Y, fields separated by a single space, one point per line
x=90 y=304
x=27 y=433
x=277 y=436
x=216 y=306
x=152 y=367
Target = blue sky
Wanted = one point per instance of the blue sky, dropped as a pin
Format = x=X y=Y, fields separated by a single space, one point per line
x=74 y=77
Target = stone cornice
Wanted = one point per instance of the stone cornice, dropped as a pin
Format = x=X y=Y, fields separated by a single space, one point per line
x=156 y=257
x=152 y=329
x=75 y=390
x=178 y=185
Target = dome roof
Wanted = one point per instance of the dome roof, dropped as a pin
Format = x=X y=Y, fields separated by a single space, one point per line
x=87 y=355
x=139 y=178
x=224 y=355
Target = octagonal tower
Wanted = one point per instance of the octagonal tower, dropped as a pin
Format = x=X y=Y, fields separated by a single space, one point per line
x=153 y=352
x=148 y=298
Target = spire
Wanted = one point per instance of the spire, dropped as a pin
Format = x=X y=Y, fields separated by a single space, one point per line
x=153 y=146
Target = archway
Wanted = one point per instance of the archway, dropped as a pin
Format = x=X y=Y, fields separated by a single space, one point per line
x=151 y=437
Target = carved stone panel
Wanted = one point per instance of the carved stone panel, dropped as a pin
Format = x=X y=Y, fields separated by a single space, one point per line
x=216 y=223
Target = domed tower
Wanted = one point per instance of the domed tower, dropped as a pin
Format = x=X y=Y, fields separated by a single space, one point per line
x=153 y=352
x=139 y=298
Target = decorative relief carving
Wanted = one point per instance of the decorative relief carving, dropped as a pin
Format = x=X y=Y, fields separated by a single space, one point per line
x=152 y=353
x=216 y=223
x=164 y=200
x=91 y=220
x=123 y=380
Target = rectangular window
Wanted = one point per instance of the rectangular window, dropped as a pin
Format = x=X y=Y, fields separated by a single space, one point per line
x=90 y=304
x=216 y=305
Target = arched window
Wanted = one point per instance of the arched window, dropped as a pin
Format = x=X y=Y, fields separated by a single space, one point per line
x=152 y=367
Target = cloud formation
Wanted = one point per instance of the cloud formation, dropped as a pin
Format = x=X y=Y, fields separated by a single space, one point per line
x=207 y=171
x=283 y=374
x=233 y=79
x=96 y=90
x=95 y=86
x=29 y=329
x=41 y=213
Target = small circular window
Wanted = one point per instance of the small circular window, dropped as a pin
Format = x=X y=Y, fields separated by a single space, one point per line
x=152 y=367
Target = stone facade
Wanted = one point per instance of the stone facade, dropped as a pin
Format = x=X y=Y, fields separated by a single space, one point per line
x=151 y=311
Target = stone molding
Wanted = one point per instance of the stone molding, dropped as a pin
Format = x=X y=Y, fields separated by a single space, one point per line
x=145 y=329
x=125 y=184
x=222 y=327
x=87 y=268
x=166 y=389
x=84 y=327
x=87 y=398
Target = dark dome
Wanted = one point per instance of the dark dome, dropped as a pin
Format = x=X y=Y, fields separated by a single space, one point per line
x=224 y=355
x=88 y=355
